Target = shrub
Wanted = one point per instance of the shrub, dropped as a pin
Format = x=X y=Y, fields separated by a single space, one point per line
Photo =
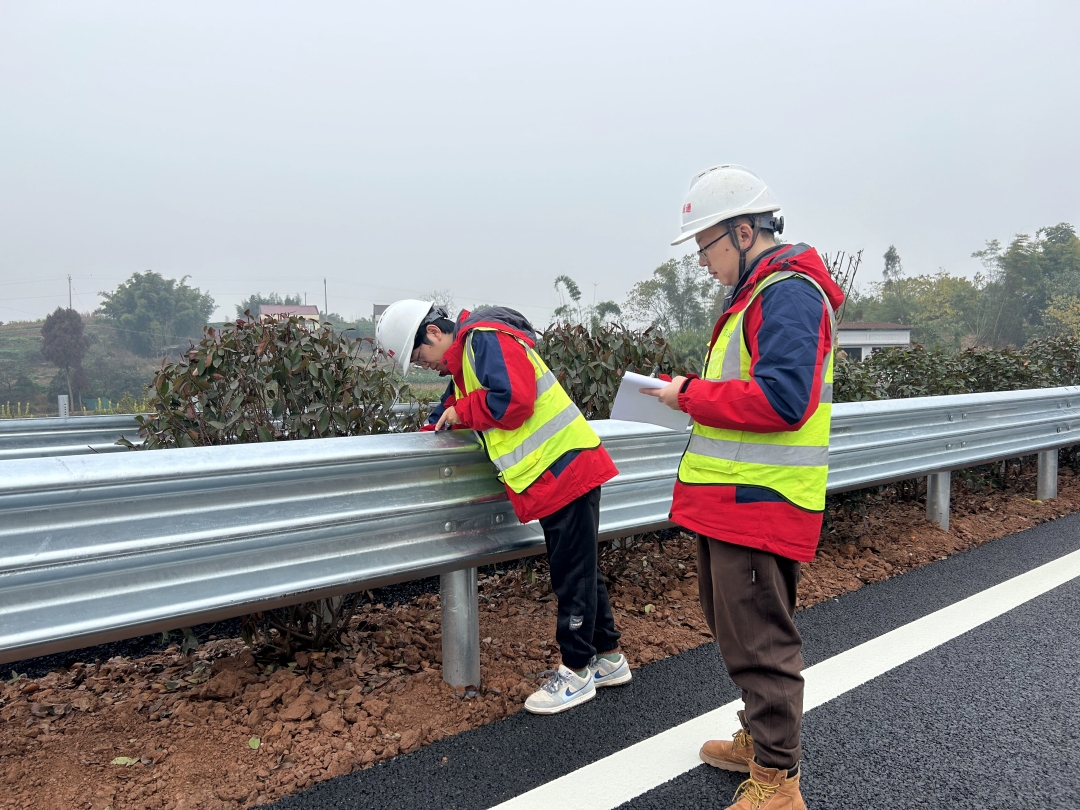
x=274 y=381
x=590 y=364
x=914 y=371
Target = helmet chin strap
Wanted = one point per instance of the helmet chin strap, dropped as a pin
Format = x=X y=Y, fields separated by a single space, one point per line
x=775 y=224
x=738 y=245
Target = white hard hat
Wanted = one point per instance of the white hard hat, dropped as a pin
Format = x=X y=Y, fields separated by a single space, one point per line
x=720 y=193
x=396 y=330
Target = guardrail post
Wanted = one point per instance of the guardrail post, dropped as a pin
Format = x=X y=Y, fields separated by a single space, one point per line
x=460 y=628
x=938 y=487
x=1048 y=475
x=62 y=406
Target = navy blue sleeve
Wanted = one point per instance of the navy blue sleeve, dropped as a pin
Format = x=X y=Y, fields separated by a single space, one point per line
x=787 y=342
x=490 y=367
x=437 y=411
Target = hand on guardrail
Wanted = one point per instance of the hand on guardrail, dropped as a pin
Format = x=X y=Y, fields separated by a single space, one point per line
x=448 y=419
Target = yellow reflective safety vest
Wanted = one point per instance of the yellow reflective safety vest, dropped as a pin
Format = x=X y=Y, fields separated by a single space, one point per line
x=555 y=427
x=794 y=464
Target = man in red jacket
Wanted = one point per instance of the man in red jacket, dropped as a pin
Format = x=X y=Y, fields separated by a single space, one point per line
x=752 y=481
x=549 y=458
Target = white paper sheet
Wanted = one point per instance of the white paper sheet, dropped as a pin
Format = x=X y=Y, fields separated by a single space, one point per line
x=633 y=406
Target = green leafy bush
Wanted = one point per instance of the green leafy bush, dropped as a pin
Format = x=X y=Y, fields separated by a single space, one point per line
x=590 y=363
x=914 y=371
x=273 y=381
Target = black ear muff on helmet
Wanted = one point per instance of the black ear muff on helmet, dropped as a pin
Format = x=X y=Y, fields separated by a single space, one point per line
x=761 y=222
x=771 y=223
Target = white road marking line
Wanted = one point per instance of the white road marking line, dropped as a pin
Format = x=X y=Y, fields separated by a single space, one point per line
x=609 y=782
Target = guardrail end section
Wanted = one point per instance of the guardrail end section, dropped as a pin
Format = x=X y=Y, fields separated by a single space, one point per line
x=460 y=629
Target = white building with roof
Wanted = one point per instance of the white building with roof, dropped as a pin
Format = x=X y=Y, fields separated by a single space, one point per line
x=860 y=339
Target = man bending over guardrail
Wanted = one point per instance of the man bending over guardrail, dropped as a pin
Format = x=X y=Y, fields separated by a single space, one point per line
x=548 y=457
x=752 y=479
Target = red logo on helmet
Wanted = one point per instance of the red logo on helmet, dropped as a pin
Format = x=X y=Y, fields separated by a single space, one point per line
x=390 y=352
x=686 y=208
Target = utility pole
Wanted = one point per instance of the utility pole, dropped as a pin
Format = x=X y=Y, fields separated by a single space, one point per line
x=69 y=290
x=326 y=309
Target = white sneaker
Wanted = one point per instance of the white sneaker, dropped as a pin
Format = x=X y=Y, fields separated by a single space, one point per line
x=562 y=690
x=610 y=673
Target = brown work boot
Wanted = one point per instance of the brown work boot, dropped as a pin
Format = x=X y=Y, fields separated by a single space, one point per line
x=731 y=755
x=769 y=789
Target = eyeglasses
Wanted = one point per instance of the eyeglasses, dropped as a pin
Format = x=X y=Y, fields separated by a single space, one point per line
x=701 y=253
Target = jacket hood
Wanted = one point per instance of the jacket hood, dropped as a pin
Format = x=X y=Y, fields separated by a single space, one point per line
x=801 y=258
x=501 y=318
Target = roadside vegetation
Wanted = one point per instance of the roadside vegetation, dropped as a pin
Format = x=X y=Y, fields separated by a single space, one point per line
x=1025 y=302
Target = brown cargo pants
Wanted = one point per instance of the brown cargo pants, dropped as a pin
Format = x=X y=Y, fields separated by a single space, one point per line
x=748 y=597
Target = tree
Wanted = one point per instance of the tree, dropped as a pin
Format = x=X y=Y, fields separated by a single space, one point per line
x=443 y=298
x=678 y=298
x=64 y=345
x=1025 y=290
x=844 y=267
x=603 y=313
x=943 y=310
x=1062 y=315
x=1014 y=290
x=682 y=301
x=893 y=298
x=568 y=311
x=151 y=312
x=1060 y=259
x=894 y=268
x=573 y=312
x=253 y=302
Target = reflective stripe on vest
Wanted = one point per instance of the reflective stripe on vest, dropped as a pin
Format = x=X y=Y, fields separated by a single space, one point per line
x=792 y=463
x=775 y=454
x=532 y=442
x=555 y=427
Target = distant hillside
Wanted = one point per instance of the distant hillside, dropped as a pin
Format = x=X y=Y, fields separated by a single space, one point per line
x=26 y=378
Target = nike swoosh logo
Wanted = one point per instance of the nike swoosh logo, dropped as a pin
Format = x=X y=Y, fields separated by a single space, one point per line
x=571 y=694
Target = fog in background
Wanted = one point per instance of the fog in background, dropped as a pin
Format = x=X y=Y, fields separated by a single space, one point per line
x=486 y=148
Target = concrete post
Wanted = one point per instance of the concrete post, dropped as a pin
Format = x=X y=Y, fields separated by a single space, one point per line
x=1048 y=475
x=937 y=498
x=460 y=628
x=62 y=405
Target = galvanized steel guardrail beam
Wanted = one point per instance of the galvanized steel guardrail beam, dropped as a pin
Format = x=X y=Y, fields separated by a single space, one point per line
x=96 y=548
x=72 y=436
x=43 y=437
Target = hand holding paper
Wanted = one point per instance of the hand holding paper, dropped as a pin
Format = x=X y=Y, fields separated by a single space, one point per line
x=637 y=401
x=669 y=394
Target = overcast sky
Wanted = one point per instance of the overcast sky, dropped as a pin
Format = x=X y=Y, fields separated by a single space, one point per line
x=486 y=148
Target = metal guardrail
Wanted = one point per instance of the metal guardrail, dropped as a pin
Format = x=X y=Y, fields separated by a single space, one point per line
x=890 y=440
x=74 y=436
x=97 y=548
x=79 y=435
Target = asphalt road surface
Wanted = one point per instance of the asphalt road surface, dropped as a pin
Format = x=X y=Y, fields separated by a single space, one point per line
x=970 y=701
